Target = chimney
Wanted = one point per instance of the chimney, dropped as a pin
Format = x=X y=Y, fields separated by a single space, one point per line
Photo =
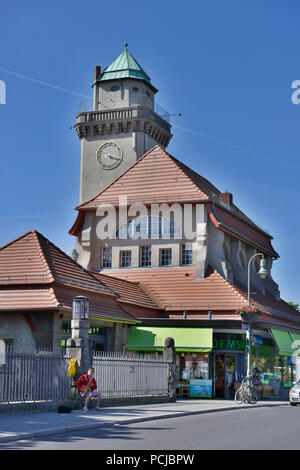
x=97 y=72
x=226 y=198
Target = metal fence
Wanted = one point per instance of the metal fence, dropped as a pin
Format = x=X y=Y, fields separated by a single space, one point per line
x=120 y=375
x=42 y=376
x=34 y=376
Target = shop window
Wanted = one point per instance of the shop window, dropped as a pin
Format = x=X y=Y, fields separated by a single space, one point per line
x=125 y=259
x=193 y=370
x=106 y=257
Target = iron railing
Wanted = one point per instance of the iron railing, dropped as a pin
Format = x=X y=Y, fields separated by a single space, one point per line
x=120 y=375
x=42 y=376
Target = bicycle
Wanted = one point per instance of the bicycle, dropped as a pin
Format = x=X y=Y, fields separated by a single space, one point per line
x=247 y=392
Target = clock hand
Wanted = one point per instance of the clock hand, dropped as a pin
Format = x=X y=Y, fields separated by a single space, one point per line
x=111 y=155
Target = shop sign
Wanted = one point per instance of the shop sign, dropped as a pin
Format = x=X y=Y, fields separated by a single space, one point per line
x=201 y=388
x=229 y=343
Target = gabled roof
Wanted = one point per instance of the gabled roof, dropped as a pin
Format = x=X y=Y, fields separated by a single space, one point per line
x=157 y=177
x=124 y=66
x=33 y=259
x=36 y=275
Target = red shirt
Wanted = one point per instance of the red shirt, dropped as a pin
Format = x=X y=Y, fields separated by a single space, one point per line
x=84 y=380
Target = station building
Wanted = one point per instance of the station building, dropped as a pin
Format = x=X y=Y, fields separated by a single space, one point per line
x=160 y=252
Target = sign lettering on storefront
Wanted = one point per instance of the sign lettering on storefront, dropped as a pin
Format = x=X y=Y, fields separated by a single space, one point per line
x=229 y=344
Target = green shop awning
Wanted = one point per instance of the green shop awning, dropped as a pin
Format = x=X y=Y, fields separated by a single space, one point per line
x=288 y=343
x=146 y=338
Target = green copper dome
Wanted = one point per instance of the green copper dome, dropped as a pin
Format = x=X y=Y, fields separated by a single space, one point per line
x=124 y=66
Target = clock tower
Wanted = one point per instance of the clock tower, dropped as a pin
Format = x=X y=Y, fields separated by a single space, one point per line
x=122 y=126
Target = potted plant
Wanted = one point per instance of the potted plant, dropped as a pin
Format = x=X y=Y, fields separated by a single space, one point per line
x=249 y=314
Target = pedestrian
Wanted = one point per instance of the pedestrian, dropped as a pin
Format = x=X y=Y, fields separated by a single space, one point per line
x=87 y=386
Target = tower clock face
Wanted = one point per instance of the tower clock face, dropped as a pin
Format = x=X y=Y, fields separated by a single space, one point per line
x=109 y=155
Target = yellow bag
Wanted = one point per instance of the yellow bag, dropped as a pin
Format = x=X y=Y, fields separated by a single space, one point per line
x=72 y=367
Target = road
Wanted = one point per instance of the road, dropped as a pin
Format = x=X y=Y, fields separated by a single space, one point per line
x=257 y=429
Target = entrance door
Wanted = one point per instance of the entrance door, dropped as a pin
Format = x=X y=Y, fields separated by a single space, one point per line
x=226 y=373
x=229 y=376
x=219 y=375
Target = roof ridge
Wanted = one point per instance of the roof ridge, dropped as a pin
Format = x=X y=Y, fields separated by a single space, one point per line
x=36 y=235
x=16 y=239
x=78 y=266
x=53 y=295
x=116 y=278
x=152 y=296
x=229 y=284
x=175 y=160
x=180 y=163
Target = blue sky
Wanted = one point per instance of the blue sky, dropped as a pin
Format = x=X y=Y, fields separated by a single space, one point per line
x=226 y=66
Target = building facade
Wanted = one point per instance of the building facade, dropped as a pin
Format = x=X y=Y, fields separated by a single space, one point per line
x=160 y=252
x=159 y=223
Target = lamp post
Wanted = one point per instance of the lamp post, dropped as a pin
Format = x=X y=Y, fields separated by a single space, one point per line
x=262 y=274
x=78 y=345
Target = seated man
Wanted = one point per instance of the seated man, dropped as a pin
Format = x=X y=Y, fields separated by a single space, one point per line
x=87 y=386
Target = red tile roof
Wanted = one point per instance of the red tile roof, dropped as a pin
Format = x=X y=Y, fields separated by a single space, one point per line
x=176 y=289
x=241 y=229
x=157 y=177
x=129 y=291
x=35 y=274
x=28 y=298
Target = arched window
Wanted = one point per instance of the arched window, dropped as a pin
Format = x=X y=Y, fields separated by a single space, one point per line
x=148 y=227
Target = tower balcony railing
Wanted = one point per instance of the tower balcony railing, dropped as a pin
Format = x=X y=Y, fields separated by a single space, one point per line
x=134 y=112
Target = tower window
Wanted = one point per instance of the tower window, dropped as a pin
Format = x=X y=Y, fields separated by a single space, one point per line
x=115 y=88
x=125 y=259
x=186 y=254
x=165 y=257
x=145 y=256
x=106 y=257
x=135 y=89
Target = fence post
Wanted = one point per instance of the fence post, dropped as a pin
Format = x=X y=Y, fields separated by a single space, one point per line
x=169 y=355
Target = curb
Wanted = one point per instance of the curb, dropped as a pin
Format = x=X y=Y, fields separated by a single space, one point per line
x=83 y=427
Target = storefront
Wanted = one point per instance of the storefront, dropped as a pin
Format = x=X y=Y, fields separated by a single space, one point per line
x=211 y=364
x=193 y=347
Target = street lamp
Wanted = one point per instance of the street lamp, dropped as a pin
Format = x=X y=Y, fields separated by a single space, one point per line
x=262 y=271
x=81 y=308
x=78 y=345
x=262 y=274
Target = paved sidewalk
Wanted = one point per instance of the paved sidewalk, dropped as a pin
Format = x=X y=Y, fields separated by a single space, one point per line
x=20 y=426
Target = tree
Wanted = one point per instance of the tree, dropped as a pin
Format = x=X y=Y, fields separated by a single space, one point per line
x=294 y=306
